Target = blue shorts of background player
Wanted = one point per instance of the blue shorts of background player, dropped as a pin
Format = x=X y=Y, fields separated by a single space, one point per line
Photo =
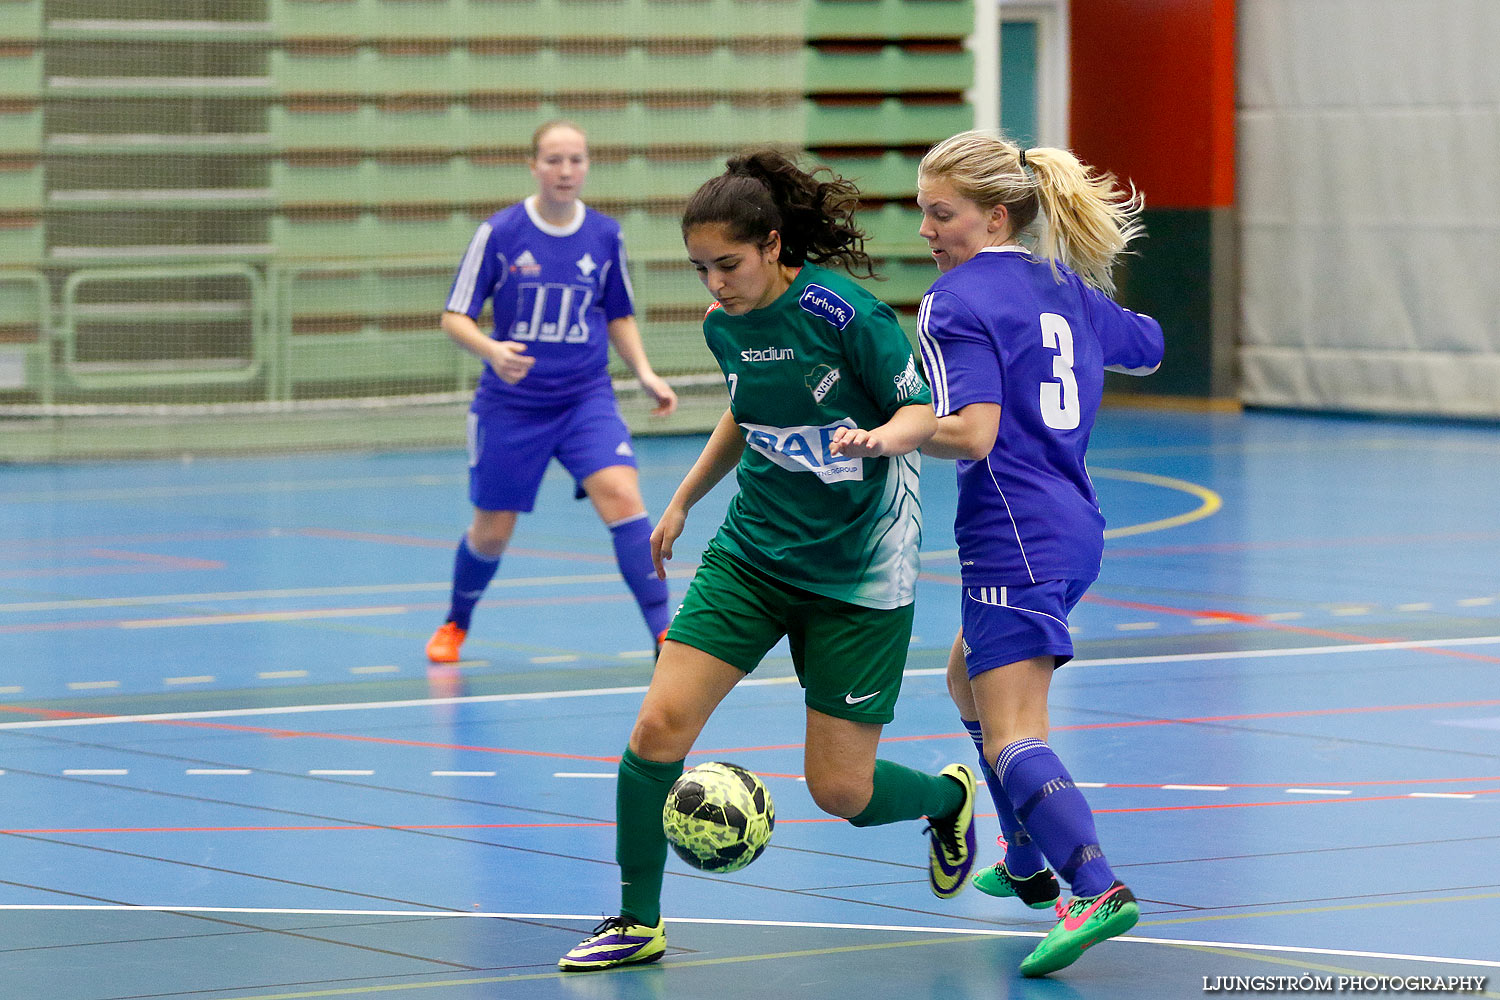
x=510 y=447
x=1003 y=625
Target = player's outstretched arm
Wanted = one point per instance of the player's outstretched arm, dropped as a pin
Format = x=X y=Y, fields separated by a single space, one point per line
x=626 y=336
x=719 y=456
x=906 y=431
x=966 y=433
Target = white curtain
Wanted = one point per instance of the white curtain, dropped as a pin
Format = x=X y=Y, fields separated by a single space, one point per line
x=1369 y=193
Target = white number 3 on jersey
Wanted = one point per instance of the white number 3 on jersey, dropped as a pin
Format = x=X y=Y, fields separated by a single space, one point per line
x=1059 y=398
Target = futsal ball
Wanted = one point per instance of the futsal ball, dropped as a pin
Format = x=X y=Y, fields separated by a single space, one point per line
x=718 y=817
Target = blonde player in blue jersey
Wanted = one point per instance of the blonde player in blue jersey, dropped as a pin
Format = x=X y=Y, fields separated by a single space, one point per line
x=1017 y=333
x=554 y=272
x=826 y=411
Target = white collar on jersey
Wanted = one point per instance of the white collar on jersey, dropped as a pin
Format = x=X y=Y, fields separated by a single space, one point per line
x=1007 y=248
x=565 y=230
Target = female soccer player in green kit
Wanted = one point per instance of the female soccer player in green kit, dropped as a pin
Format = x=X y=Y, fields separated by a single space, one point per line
x=826 y=413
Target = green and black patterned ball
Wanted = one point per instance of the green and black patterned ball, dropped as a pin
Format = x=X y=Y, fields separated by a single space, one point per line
x=718 y=817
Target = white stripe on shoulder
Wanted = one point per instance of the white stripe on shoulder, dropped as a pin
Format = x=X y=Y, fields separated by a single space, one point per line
x=462 y=298
x=625 y=272
x=932 y=357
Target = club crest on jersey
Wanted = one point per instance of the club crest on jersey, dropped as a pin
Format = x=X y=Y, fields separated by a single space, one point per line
x=805 y=449
x=586 y=265
x=821 y=302
x=824 y=383
x=527 y=265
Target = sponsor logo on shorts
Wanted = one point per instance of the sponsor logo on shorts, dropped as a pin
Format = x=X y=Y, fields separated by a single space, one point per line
x=806 y=449
x=849 y=698
x=821 y=302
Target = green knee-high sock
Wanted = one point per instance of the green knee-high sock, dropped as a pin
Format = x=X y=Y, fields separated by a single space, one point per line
x=902 y=793
x=640 y=845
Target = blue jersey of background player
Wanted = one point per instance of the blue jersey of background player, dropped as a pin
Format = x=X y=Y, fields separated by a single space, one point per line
x=553 y=290
x=554 y=273
x=1016 y=343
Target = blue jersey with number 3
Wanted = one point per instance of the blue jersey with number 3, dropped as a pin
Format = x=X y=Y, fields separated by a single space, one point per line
x=1000 y=328
x=554 y=289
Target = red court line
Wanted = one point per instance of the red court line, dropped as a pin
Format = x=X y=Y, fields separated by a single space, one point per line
x=1287 y=802
x=432 y=543
x=1155 y=722
x=168 y=562
x=1261 y=622
x=305 y=829
x=780 y=821
x=1303 y=543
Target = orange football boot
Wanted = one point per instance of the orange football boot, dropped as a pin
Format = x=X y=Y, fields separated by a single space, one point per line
x=445 y=643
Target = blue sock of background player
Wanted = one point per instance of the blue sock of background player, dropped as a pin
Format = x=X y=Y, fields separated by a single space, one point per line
x=632 y=538
x=1055 y=813
x=472 y=573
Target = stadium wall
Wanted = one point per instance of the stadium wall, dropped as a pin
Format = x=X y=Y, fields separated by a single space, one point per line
x=1371 y=214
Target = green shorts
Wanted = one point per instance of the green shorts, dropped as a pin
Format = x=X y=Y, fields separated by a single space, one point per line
x=848 y=658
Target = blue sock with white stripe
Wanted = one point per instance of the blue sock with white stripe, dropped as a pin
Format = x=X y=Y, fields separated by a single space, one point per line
x=632 y=540
x=1056 y=814
x=472 y=573
x=1022 y=858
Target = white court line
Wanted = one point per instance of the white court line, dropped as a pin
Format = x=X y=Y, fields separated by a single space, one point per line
x=334 y=773
x=1195 y=788
x=463 y=774
x=1318 y=791
x=1440 y=795
x=592 y=918
x=218 y=770
x=82 y=772
x=366 y=706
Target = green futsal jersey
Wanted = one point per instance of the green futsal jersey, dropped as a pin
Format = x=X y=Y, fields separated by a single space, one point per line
x=826 y=354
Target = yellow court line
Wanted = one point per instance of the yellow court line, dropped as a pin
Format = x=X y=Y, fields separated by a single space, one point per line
x=675 y=964
x=1210 y=505
x=1319 y=909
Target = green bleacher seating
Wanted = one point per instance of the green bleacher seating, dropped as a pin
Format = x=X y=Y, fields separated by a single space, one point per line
x=897 y=122
x=888 y=69
x=20 y=69
x=893 y=19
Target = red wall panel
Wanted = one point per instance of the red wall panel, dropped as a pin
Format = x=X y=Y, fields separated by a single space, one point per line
x=1153 y=96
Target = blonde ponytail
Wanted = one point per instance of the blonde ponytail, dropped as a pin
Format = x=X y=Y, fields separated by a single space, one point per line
x=1075 y=215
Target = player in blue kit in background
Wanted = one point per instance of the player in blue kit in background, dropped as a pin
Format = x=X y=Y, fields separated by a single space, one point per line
x=1016 y=343
x=555 y=273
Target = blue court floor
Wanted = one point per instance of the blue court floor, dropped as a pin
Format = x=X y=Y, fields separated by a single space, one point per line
x=226 y=770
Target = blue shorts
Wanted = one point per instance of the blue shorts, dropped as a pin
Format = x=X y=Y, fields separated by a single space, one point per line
x=1009 y=624
x=510 y=446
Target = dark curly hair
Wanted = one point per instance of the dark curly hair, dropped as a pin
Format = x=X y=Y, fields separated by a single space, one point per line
x=763 y=190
